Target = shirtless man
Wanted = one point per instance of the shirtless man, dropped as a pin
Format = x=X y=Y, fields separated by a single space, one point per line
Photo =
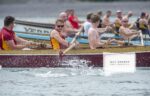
x=63 y=16
x=94 y=34
x=130 y=14
x=130 y=24
x=70 y=31
x=125 y=32
x=106 y=21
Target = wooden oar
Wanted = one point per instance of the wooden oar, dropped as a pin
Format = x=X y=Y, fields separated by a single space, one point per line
x=69 y=48
x=72 y=44
x=141 y=35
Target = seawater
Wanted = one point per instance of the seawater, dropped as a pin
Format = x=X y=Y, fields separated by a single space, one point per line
x=85 y=81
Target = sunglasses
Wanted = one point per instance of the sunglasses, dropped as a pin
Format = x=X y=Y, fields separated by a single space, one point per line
x=125 y=21
x=60 y=26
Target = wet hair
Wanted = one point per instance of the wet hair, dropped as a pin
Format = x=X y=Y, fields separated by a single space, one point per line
x=8 y=20
x=108 y=11
x=143 y=14
x=94 y=18
x=89 y=16
x=99 y=12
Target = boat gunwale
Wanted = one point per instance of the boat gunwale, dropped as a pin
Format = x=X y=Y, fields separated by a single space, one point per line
x=79 y=53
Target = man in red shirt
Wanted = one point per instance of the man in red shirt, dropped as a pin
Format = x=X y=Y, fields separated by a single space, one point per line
x=8 y=38
x=73 y=19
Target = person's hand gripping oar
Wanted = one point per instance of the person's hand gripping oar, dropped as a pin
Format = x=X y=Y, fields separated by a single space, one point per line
x=72 y=44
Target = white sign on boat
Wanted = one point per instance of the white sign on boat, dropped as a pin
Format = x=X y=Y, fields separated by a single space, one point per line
x=119 y=63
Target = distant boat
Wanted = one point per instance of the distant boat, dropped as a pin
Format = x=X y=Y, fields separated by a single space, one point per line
x=28 y=27
x=41 y=31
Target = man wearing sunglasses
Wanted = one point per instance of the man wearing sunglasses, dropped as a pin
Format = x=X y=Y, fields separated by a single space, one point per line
x=125 y=32
x=58 y=35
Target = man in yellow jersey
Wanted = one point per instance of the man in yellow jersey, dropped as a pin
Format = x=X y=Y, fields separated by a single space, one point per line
x=58 y=35
x=143 y=24
x=118 y=20
x=8 y=38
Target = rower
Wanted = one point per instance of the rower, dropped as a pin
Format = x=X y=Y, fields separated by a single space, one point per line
x=73 y=19
x=58 y=35
x=106 y=21
x=100 y=13
x=68 y=28
x=9 y=40
x=129 y=15
x=142 y=24
x=94 y=34
x=118 y=20
x=125 y=32
x=87 y=24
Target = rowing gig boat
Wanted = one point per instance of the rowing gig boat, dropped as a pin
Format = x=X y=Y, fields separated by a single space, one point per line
x=69 y=60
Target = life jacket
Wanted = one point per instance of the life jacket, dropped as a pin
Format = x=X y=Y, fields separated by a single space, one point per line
x=3 y=41
x=4 y=44
x=55 y=44
x=117 y=26
x=141 y=26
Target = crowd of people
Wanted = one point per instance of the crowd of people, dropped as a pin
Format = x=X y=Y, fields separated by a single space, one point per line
x=68 y=24
x=95 y=25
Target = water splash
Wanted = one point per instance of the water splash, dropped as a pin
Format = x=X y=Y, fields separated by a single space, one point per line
x=75 y=63
x=70 y=72
x=0 y=67
x=50 y=74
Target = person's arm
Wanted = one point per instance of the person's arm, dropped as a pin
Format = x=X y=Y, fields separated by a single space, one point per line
x=12 y=45
x=20 y=40
x=93 y=42
x=105 y=23
x=122 y=31
x=102 y=30
x=75 y=19
x=60 y=40
x=71 y=31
